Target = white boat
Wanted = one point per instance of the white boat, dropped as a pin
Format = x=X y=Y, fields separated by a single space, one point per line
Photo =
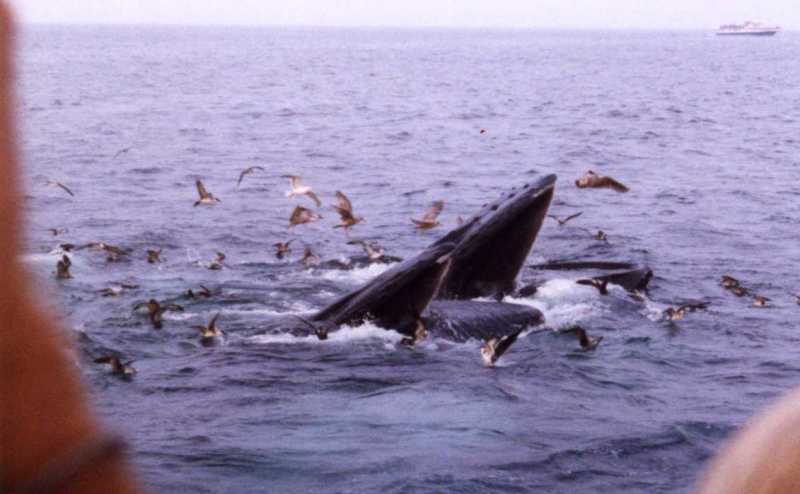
x=749 y=28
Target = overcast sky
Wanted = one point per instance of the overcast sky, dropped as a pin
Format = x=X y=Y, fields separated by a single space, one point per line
x=657 y=14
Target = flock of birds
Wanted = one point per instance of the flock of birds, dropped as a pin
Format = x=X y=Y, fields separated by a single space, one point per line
x=209 y=333
x=491 y=350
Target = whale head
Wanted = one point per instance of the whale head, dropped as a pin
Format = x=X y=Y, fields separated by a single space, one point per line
x=491 y=247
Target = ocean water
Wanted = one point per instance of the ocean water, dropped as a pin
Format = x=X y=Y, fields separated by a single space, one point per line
x=705 y=132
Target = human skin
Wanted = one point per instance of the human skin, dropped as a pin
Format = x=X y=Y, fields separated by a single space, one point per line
x=762 y=458
x=44 y=414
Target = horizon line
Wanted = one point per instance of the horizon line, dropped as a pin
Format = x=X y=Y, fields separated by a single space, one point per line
x=364 y=26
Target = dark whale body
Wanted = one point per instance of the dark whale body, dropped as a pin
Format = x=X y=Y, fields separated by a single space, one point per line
x=479 y=259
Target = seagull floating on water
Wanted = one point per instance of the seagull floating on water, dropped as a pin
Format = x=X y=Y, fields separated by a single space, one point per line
x=202 y=293
x=282 y=248
x=760 y=301
x=155 y=310
x=153 y=256
x=216 y=264
x=118 y=368
x=309 y=258
x=209 y=332
x=374 y=251
x=62 y=268
x=676 y=314
x=587 y=342
x=495 y=347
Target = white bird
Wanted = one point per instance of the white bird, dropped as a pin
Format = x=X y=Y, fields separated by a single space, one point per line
x=298 y=189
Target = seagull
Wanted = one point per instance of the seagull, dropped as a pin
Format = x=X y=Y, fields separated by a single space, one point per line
x=302 y=215
x=495 y=347
x=739 y=291
x=121 y=152
x=760 y=301
x=113 y=253
x=428 y=221
x=209 y=332
x=729 y=281
x=57 y=231
x=601 y=236
x=206 y=197
x=282 y=248
x=562 y=222
x=420 y=333
x=298 y=189
x=202 y=293
x=797 y=299
x=320 y=329
x=248 y=171
x=153 y=256
x=587 y=342
x=155 y=310
x=345 y=210
x=374 y=251
x=55 y=183
x=216 y=264
x=62 y=268
x=483 y=131
x=601 y=285
x=593 y=180
x=309 y=258
x=118 y=368
x=116 y=290
x=674 y=314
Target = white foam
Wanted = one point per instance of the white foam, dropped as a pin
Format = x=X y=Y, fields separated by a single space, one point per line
x=177 y=316
x=48 y=258
x=297 y=308
x=653 y=310
x=357 y=275
x=564 y=302
x=345 y=334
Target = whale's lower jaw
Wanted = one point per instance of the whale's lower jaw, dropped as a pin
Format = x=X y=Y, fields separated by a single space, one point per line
x=462 y=320
x=456 y=320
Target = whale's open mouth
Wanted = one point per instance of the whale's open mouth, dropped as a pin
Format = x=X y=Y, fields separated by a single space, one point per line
x=397 y=296
x=481 y=258
x=492 y=246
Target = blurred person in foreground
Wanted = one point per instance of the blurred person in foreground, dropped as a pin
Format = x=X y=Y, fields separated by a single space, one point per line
x=764 y=457
x=50 y=441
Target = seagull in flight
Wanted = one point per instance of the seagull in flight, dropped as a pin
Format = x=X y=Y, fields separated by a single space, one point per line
x=247 y=171
x=298 y=189
x=429 y=219
x=56 y=183
x=593 y=180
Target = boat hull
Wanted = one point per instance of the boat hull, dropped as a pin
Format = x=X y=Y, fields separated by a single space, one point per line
x=756 y=33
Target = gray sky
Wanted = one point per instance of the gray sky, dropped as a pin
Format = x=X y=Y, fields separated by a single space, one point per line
x=657 y=14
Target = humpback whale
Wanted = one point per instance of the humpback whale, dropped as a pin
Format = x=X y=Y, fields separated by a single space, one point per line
x=479 y=259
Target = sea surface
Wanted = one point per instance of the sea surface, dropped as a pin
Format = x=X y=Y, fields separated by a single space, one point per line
x=704 y=130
